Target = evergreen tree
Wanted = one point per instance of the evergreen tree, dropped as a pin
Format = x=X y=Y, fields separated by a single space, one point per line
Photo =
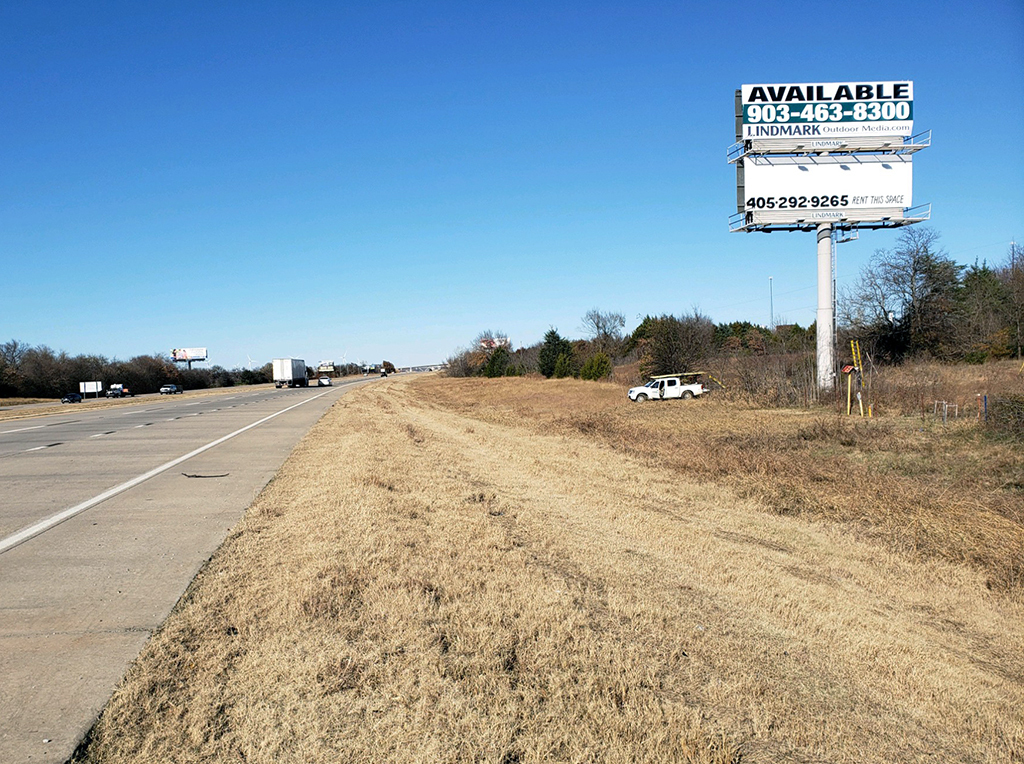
x=563 y=366
x=554 y=346
x=497 y=363
x=598 y=366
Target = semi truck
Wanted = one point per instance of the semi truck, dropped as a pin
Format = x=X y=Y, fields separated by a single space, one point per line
x=290 y=372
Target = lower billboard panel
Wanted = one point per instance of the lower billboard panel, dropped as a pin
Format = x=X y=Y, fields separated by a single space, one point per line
x=823 y=188
x=861 y=215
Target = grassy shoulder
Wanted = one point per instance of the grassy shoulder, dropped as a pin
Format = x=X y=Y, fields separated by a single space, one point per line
x=524 y=570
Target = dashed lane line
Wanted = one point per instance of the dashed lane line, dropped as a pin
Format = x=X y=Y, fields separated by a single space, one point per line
x=44 y=525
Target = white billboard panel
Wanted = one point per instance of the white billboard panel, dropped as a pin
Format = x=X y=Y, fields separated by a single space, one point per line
x=826 y=188
x=827 y=110
x=90 y=387
x=188 y=354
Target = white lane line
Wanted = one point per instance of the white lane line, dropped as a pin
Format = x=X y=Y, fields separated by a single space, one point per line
x=23 y=429
x=37 y=448
x=44 y=525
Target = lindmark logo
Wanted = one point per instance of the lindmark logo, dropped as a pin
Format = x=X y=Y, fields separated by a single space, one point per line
x=776 y=131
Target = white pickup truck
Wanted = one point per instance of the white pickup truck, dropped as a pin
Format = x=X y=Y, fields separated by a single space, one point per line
x=667 y=386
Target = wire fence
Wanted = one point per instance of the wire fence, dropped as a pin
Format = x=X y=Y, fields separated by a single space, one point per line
x=1006 y=414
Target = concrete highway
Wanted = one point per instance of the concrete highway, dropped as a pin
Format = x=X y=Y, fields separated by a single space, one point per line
x=106 y=515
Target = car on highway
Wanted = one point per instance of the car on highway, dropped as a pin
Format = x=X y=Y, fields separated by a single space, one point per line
x=119 y=391
x=72 y=398
x=323 y=382
x=170 y=389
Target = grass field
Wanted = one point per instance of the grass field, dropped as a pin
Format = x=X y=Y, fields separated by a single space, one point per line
x=528 y=571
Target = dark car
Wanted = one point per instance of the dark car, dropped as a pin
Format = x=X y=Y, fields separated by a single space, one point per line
x=71 y=398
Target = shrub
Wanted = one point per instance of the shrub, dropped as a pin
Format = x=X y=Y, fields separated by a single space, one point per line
x=598 y=366
x=563 y=366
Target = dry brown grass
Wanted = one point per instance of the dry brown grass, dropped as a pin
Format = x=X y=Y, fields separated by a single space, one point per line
x=944 y=490
x=497 y=571
x=914 y=388
x=26 y=401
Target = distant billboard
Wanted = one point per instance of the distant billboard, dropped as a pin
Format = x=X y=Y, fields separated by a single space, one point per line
x=90 y=387
x=787 y=188
x=827 y=110
x=492 y=343
x=188 y=354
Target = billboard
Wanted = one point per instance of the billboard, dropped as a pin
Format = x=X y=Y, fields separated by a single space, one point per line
x=491 y=343
x=851 y=187
x=90 y=387
x=188 y=354
x=827 y=110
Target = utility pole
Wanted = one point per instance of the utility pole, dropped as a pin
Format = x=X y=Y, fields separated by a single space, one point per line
x=771 y=305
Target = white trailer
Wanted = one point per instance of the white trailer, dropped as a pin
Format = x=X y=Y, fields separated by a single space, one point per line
x=290 y=372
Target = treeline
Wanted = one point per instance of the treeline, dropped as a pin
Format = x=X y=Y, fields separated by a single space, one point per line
x=40 y=372
x=659 y=345
x=911 y=302
x=914 y=301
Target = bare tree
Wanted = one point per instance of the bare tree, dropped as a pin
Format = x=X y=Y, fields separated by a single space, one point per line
x=488 y=340
x=905 y=298
x=11 y=355
x=604 y=330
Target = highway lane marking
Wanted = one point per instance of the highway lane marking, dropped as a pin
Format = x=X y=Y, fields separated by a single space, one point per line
x=44 y=525
x=24 y=429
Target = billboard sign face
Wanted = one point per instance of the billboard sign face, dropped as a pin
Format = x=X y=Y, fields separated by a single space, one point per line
x=188 y=354
x=827 y=110
x=842 y=188
x=491 y=343
x=90 y=387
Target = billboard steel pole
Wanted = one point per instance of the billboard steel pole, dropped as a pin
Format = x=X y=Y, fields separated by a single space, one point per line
x=825 y=339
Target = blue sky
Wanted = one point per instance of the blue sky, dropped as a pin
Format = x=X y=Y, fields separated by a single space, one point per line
x=388 y=179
